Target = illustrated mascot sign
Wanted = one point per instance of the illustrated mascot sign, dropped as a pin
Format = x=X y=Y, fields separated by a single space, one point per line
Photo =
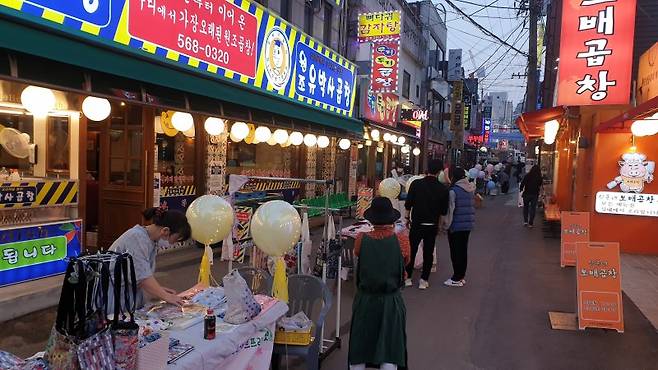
x=634 y=171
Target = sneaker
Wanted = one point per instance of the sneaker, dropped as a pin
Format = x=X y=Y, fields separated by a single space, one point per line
x=423 y=284
x=408 y=283
x=463 y=281
x=530 y=226
x=525 y=224
x=453 y=283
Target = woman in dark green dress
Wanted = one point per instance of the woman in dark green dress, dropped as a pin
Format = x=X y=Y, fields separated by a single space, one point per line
x=378 y=334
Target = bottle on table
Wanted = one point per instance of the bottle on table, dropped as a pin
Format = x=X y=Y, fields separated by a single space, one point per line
x=209 y=325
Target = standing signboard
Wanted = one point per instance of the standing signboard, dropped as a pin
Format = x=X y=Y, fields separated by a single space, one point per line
x=599 y=286
x=596 y=52
x=575 y=228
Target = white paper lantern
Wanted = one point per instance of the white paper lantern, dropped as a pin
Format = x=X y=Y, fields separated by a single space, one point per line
x=263 y=134
x=405 y=149
x=310 y=140
x=96 y=109
x=360 y=146
x=182 y=121
x=296 y=138
x=323 y=141
x=374 y=134
x=387 y=136
x=38 y=100
x=344 y=144
x=214 y=126
x=280 y=136
x=416 y=151
x=239 y=131
x=271 y=141
x=191 y=133
x=401 y=140
x=393 y=139
x=368 y=142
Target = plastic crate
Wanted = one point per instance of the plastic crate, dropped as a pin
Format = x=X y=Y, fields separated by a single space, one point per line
x=293 y=338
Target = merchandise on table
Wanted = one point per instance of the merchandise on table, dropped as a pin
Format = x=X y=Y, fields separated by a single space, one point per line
x=242 y=306
x=212 y=297
x=209 y=323
x=178 y=350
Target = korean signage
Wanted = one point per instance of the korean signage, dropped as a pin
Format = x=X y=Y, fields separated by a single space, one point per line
x=385 y=71
x=596 y=52
x=454 y=64
x=233 y=40
x=456 y=119
x=647 y=75
x=575 y=228
x=376 y=26
x=630 y=204
x=598 y=283
x=486 y=128
x=38 y=194
x=37 y=251
x=380 y=107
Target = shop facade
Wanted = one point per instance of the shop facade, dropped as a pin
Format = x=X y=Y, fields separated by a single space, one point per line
x=172 y=115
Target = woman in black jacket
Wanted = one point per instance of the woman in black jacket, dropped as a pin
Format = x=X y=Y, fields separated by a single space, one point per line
x=531 y=186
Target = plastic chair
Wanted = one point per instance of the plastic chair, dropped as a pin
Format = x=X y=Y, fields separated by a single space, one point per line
x=259 y=281
x=310 y=295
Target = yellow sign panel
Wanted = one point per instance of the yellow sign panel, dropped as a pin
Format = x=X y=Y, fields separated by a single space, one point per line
x=378 y=26
x=647 y=75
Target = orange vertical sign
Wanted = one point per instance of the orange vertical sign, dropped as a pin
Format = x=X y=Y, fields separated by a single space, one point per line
x=596 y=52
x=599 y=286
x=575 y=228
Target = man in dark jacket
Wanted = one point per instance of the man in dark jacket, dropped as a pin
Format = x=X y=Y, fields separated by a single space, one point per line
x=427 y=200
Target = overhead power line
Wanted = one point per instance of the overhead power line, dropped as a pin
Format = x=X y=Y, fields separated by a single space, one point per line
x=489 y=5
x=484 y=30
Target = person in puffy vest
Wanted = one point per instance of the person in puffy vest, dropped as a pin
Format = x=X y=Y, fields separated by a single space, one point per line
x=459 y=223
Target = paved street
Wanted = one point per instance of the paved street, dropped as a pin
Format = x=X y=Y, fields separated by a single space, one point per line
x=498 y=321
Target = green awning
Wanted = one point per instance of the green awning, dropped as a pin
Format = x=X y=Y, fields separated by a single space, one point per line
x=72 y=51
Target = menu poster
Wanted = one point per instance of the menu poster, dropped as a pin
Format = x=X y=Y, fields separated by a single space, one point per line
x=575 y=228
x=599 y=286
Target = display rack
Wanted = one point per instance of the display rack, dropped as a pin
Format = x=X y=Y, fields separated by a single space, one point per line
x=327 y=345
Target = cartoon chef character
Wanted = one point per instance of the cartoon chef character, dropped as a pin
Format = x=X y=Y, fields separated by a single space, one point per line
x=634 y=171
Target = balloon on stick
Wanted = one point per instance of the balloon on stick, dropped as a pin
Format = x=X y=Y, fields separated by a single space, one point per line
x=389 y=188
x=275 y=229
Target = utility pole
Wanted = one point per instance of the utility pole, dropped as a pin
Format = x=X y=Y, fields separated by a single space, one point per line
x=531 y=94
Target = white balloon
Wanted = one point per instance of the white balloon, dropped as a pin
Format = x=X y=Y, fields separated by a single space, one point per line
x=412 y=179
x=211 y=219
x=389 y=188
x=276 y=227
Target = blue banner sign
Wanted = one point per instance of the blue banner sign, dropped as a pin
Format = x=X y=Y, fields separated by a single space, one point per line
x=96 y=12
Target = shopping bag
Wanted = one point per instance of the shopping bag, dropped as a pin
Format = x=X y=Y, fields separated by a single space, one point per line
x=242 y=306
x=418 y=260
x=520 y=204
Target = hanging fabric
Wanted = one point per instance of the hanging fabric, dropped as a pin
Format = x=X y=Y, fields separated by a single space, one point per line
x=307 y=245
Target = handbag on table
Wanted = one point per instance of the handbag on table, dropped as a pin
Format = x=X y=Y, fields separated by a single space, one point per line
x=242 y=305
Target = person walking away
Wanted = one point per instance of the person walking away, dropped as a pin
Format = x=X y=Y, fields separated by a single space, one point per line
x=427 y=201
x=531 y=187
x=378 y=331
x=459 y=223
x=503 y=178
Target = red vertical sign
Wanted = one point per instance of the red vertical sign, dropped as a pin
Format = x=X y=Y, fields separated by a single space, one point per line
x=596 y=52
x=384 y=74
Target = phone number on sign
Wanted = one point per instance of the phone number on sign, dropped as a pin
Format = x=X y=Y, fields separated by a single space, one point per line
x=211 y=52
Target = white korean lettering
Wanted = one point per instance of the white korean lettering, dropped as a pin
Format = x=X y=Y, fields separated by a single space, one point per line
x=48 y=249
x=303 y=61
x=339 y=90
x=301 y=82
x=322 y=81
x=596 y=52
x=331 y=87
x=91 y=6
x=32 y=254
x=595 y=2
x=604 y=22
x=311 y=79
x=10 y=255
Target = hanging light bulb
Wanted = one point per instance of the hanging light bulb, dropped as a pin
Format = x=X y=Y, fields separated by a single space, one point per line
x=323 y=141
x=374 y=134
x=280 y=136
x=310 y=140
x=38 y=100
x=191 y=133
x=271 y=141
x=360 y=146
x=344 y=144
x=387 y=136
x=416 y=152
x=239 y=131
x=405 y=149
x=380 y=149
x=401 y=140
x=263 y=134
x=182 y=121
x=214 y=126
x=296 y=138
x=96 y=109
x=368 y=142
x=393 y=139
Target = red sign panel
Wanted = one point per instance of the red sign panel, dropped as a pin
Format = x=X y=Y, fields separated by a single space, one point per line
x=596 y=52
x=575 y=228
x=381 y=108
x=384 y=74
x=216 y=32
x=599 y=286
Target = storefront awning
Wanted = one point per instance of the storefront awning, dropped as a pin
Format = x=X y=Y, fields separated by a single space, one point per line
x=531 y=124
x=67 y=49
x=623 y=122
